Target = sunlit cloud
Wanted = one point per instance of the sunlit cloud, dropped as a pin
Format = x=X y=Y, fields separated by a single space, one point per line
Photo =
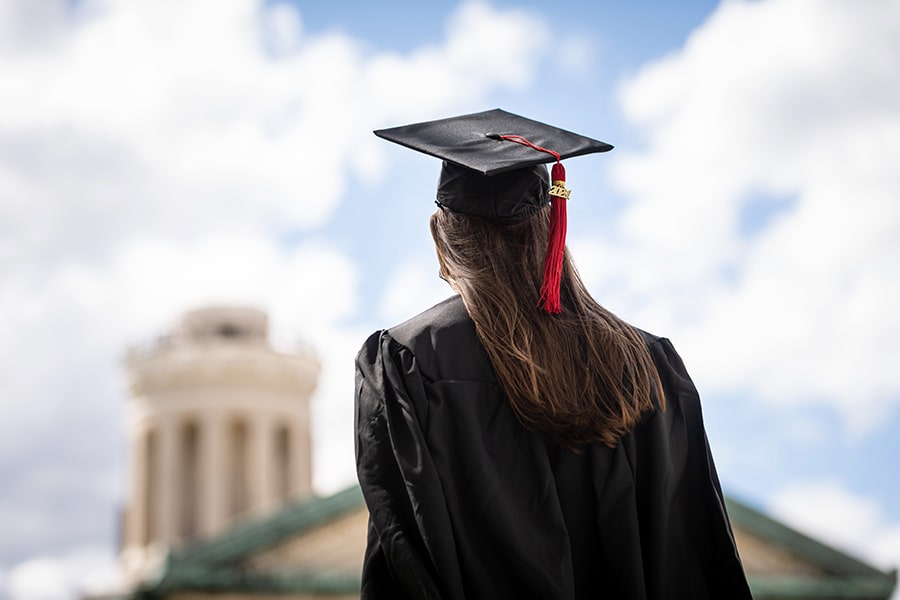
x=155 y=157
x=79 y=572
x=176 y=118
x=840 y=517
x=412 y=287
x=763 y=207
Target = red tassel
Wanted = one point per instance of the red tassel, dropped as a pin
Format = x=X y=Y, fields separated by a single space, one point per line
x=556 y=242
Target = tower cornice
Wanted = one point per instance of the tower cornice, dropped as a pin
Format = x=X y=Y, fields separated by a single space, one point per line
x=234 y=364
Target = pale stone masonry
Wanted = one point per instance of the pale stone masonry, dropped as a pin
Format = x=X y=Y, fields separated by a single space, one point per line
x=219 y=430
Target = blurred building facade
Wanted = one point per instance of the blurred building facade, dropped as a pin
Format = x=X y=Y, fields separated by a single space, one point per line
x=219 y=432
x=221 y=504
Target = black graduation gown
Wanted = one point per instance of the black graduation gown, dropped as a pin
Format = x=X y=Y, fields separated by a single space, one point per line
x=464 y=502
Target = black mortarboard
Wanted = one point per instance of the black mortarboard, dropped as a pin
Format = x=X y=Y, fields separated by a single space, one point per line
x=472 y=141
x=494 y=168
x=513 y=183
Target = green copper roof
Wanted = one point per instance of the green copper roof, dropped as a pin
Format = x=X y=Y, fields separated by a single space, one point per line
x=848 y=577
x=831 y=588
x=247 y=538
x=214 y=565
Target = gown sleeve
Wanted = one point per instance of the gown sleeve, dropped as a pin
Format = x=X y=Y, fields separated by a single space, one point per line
x=684 y=527
x=406 y=540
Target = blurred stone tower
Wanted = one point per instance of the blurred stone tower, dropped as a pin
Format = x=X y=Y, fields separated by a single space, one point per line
x=219 y=430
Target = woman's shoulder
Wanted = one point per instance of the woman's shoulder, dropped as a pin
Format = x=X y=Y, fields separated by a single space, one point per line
x=443 y=342
x=661 y=349
x=448 y=317
x=649 y=338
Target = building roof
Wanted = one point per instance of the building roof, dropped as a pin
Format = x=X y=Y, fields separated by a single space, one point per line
x=840 y=575
x=217 y=565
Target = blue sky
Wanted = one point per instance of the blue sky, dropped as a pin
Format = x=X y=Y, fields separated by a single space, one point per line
x=159 y=156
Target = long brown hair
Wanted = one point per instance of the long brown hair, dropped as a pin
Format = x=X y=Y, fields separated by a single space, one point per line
x=579 y=377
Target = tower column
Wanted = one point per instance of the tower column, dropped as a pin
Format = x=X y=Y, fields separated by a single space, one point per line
x=136 y=533
x=300 y=462
x=213 y=493
x=166 y=476
x=262 y=457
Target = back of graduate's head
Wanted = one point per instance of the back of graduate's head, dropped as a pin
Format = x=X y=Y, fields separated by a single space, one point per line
x=479 y=257
x=569 y=368
x=579 y=376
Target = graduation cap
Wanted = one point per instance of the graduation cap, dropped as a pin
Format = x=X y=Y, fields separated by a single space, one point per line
x=493 y=168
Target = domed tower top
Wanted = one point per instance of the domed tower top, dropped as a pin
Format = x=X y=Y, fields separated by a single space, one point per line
x=219 y=430
x=222 y=323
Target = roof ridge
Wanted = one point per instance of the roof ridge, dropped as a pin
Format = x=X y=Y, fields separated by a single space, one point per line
x=830 y=559
x=269 y=530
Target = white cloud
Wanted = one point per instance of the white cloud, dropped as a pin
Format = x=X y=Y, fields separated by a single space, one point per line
x=797 y=100
x=412 y=287
x=151 y=156
x=835 y=515
x=177 y=118
x=477 y=55
x=82 y=571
